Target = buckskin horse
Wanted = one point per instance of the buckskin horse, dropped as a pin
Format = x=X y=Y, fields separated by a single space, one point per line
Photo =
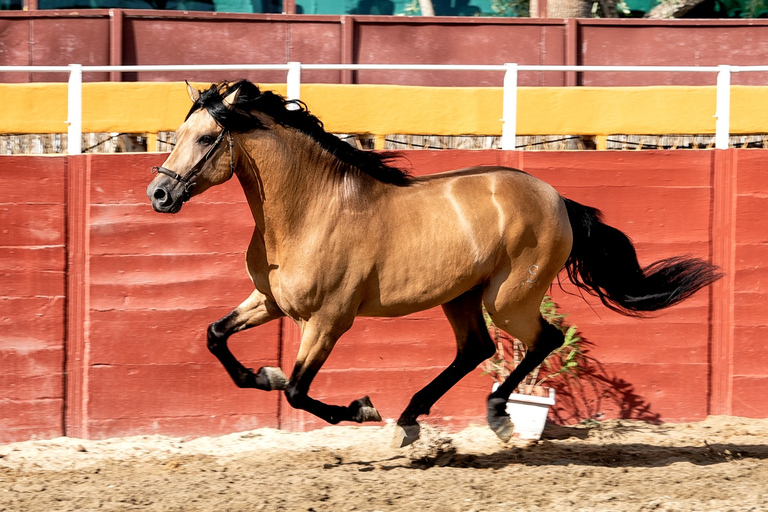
x=342 y=232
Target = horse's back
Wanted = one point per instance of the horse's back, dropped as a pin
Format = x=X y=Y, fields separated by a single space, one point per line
x=518 y=200
x=505 y=182
x=450 y=232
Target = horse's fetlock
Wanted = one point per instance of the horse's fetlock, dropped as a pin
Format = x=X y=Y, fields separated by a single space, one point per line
x=215 y=339
x=271 y=378
x=246 y=378
x=214 y=347
x=294 y=396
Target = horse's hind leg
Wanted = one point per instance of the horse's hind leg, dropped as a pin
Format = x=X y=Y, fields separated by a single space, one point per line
x=255 y=310
x=317 y=340
x=548 y=339
x=474 y=345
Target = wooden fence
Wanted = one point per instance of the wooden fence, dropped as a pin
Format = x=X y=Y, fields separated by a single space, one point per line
x=133 y=37
x=105 y=303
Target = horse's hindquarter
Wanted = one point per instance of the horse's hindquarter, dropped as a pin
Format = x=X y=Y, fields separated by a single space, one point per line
x=450 y=232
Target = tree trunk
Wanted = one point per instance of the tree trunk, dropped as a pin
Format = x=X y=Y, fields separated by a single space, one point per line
x=574 y=9
x=564 y=8
x=427 y=9
x=608 y=8
x=672 y=9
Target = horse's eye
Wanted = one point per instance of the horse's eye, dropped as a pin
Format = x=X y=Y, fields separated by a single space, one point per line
x=205 y=140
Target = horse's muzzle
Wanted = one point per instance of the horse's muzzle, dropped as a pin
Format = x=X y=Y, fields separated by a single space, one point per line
x=164 y=197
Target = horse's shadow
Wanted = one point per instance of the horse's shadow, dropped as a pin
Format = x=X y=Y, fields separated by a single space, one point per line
x=547 y=454
x=553 y=452
x=610 y=455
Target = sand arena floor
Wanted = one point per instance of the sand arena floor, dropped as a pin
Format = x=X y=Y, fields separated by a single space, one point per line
x=716 y=465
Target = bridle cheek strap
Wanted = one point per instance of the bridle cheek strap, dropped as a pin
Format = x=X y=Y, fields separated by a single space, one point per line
x=187 y=178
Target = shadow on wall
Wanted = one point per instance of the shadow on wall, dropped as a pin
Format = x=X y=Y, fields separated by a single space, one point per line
x=596 y=394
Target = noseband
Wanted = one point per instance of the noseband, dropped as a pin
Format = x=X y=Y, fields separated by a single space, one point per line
x=186 y=180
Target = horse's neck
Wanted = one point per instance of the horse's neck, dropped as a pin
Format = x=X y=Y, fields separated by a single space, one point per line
x=287 y=180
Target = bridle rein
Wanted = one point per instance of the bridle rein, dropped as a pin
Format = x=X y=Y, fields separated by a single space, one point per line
x=186 y=180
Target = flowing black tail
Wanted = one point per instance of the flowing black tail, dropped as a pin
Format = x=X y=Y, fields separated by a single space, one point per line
x=604 y=263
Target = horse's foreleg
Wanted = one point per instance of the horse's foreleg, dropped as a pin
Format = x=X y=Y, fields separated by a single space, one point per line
x=549 y=340
x=255 y=310
x=474 y=345
x=316 y=346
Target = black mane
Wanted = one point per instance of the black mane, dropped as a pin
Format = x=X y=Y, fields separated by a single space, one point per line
x=239 y=118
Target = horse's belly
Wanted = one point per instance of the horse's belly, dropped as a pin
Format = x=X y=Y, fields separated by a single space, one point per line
x=422 y=282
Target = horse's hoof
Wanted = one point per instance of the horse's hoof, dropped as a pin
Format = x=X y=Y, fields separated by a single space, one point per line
x=363 y=410
x=498 y=420
x=503 y=427
x=405 y=435
x=275 y=377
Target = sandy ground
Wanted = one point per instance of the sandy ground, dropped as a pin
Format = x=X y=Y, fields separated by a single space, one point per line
x=716 y=465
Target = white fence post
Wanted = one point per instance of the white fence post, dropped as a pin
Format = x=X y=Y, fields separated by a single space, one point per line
x=293 y=81
x=75 y=110
x=723 y=109
x=509 y=108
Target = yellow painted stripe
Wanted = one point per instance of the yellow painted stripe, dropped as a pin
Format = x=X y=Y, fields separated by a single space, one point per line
x=380 y=109
x=749 y=109
x=33 y=108
x=149 y=107
x=136 y=107
x=616 y=110
x=130 y=107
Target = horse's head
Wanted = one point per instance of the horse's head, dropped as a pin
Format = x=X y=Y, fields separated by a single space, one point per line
x=199 y=160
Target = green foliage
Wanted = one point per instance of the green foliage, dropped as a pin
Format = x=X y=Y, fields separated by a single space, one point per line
x=742 y=8
x=412 y=8
x=566 y=362
x=731 y=8
x=510 y=8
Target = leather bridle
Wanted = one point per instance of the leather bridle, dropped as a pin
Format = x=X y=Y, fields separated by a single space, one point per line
x=186 y=180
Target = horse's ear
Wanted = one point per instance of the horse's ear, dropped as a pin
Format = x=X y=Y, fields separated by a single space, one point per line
x=194 y=94
x=231 y=98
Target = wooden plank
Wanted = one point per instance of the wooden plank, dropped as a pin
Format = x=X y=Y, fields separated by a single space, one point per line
x=172 y=336
x=31 y=370
x=750 y=398
x=31 y=225
x=172 y=391
x=168 y=281
x=33 y=318
x=32 y=271
x=78 y=297
x=189 y=426
x=136 y=229
x=30 y=419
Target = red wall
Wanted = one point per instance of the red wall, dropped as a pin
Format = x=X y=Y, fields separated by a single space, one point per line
x=32 y=296
x=132 y=37
x=105 y=303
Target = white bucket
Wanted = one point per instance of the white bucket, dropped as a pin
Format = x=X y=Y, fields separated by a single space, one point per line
x=529 y=413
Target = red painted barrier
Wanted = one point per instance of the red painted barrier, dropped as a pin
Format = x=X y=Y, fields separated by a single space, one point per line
x=100 y=37
x=105 y=303
x=32 y=297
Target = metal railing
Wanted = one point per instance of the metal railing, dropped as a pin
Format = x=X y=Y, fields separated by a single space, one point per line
x=293 y=81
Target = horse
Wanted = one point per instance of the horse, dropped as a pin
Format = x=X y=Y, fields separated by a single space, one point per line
x=341 y=232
